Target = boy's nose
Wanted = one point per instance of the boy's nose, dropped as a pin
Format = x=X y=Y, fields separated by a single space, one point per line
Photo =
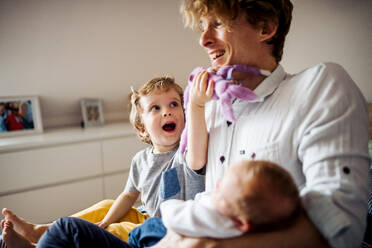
x=167 y=113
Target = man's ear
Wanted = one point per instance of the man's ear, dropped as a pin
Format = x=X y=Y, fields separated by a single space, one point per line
x=242 y=225
x=268 y=30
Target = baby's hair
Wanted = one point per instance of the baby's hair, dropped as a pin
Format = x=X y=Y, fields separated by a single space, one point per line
x=154 y=86
x=270 y=183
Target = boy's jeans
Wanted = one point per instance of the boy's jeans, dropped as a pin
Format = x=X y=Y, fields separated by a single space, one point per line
x=78 y=233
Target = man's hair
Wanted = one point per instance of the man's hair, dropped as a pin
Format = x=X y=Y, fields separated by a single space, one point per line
x=256 y=12
x=156 y=85
x=271 y=184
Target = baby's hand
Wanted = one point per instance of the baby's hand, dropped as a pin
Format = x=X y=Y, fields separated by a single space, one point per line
x=200 y=90
x=102 y=224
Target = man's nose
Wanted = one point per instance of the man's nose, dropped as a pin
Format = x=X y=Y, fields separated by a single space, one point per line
x=206 y=38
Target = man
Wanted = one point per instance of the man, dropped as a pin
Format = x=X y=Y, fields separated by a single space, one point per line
x=314 y=123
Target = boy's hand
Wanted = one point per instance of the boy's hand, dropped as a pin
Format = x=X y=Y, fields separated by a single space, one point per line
x=201 y=91
x=102 y=224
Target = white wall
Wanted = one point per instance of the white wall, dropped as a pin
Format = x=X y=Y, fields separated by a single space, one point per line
x=332 y=30
x=64 y=50
x=70 y=49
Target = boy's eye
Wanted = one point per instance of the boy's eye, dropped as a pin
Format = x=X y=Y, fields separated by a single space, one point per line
x=155 y=107
x=174 y=104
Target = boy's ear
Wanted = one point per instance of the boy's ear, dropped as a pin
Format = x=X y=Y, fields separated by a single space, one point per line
x=242 y=225
x=144 y=133
x=268 y=30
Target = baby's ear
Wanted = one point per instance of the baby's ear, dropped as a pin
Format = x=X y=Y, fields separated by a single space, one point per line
x=242 y=225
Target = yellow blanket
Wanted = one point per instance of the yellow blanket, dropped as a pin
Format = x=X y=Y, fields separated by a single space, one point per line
x=121 y=229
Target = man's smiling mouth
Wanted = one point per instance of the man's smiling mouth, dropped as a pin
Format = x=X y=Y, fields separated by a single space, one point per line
x=217 y=54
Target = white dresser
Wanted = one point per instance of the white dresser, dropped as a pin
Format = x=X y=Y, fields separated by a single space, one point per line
x=59 y=172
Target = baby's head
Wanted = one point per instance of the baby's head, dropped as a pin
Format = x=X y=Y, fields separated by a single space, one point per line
x=257 y=195
x=157 y=113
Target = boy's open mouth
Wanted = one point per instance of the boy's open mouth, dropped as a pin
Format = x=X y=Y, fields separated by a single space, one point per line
x=169 y=127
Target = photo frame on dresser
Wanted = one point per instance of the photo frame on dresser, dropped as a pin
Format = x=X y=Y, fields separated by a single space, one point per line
x=92 y=112
x=20 y=115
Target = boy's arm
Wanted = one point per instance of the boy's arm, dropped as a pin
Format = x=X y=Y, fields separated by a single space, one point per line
x=301 y=234
x=119 y=209
x=197 y=135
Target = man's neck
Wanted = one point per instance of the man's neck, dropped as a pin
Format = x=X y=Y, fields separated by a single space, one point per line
x=251 y=81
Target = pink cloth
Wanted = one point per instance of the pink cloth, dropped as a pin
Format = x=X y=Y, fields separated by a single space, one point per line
x=225 y=89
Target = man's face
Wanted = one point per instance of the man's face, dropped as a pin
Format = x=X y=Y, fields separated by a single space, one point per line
x=239 y=44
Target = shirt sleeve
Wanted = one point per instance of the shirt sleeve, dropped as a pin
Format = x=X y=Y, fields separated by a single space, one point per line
x=333 y=151
x=132 y=185
x=194 y=182
x=193 y=219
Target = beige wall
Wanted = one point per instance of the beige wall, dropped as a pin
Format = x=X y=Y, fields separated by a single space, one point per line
x=332 y=30
x=66 y=50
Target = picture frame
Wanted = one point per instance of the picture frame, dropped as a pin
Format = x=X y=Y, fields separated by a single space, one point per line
x=20 y=115
x=92 y=112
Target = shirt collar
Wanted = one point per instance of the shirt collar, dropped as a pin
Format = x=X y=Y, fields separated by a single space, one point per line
x=269 y=84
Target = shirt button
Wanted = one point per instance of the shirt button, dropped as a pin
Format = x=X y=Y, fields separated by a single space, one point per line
x=253 y=155
x=222 y=159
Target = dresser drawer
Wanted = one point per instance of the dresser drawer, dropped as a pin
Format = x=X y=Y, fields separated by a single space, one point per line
x=48 y=204
x=47 y=166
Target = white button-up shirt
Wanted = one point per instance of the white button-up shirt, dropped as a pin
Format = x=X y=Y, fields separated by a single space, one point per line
x=315 y=125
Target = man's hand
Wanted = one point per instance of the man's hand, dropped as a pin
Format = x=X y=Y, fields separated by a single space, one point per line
x=172 y=240
x=302 y=233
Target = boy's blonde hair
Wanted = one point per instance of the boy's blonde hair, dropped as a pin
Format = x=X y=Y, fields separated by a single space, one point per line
x=156 y=85
x=256 y=12
x=270 y=184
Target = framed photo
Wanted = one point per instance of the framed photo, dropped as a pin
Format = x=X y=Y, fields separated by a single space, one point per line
x=91 y=111
x=20 y=115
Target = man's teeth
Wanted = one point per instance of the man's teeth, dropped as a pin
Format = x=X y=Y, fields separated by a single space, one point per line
x=217 y=54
